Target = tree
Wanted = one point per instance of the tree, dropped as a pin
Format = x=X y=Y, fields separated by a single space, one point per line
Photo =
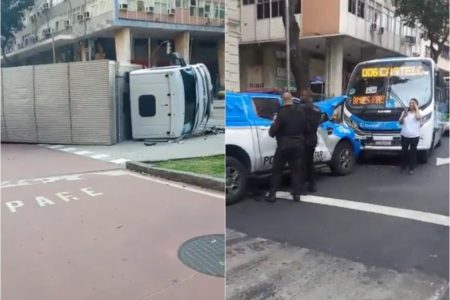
x=13 y=12
x=294 y=42
x=431 y=16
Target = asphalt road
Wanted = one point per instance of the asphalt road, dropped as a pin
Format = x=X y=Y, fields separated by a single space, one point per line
x=373 y=239
x=78 y=228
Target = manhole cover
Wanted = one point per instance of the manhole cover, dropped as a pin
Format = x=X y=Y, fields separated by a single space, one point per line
x=205 y=254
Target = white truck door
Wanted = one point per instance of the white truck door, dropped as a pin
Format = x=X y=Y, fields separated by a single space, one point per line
x=150 y=105
x=265 y=108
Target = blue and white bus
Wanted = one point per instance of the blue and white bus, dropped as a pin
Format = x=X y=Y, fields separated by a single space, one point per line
x=379 y=90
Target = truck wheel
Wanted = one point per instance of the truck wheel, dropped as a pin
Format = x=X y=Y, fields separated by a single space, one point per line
x=236 y=181
x=343 y=160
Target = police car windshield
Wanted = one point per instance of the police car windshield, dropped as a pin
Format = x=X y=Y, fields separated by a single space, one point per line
x=388 y=85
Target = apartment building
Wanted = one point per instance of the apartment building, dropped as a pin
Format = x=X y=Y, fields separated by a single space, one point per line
x=129 y=31
x=335 y=35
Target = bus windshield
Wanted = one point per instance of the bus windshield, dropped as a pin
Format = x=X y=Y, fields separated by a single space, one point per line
x=390 y=84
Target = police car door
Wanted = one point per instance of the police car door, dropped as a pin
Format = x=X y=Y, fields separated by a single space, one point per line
x=264 y=108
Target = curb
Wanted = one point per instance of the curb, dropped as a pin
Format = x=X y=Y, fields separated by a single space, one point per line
x=203 y=181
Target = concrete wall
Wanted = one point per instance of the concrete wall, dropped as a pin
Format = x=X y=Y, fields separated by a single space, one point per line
x=62 y=103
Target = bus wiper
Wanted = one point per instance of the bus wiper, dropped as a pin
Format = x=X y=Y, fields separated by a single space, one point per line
x=396 y=97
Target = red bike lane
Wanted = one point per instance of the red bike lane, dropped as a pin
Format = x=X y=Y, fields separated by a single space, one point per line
x=106 y=234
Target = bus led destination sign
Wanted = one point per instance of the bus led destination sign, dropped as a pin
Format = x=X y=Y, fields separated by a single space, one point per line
x=393 y=71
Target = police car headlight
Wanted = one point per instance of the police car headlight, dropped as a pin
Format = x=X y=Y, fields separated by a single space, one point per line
x=427 y=117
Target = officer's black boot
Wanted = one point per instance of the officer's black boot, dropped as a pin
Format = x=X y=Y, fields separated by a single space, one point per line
x=271 y=197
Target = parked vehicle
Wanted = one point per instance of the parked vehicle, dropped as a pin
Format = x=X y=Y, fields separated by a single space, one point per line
x=250 y=149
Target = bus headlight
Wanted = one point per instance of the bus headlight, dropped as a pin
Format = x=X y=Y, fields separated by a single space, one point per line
x=426 y=118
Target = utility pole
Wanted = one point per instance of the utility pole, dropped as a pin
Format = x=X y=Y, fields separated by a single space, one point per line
x=53 y=38
x=288 y=52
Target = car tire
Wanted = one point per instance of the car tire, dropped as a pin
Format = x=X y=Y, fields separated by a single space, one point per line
x=343 y=160
x=422 y=156
x=236 y=180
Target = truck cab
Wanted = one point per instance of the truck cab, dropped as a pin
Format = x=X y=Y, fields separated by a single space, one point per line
x=250 y=149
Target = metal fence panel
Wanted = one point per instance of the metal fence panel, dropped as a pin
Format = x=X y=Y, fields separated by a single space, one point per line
x=19 y=106
x=52 y=103
x=91 y=103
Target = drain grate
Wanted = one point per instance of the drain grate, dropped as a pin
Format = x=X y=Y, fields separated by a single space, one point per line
x=205 y=254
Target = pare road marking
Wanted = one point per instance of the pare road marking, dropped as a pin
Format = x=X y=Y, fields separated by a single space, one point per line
x=44 y=201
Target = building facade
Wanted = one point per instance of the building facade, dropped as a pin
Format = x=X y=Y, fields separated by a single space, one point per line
x=335 y=35
x=129 y=31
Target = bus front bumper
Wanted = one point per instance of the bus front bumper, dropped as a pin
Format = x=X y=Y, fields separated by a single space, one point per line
x=386 y=143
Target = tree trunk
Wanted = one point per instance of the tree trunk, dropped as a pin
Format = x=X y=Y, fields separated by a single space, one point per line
x=294 y=44
x=7 y=60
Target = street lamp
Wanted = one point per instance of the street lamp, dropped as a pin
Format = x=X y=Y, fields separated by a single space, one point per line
x=288 y=53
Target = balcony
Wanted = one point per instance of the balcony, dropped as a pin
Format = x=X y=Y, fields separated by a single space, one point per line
x=188 y=12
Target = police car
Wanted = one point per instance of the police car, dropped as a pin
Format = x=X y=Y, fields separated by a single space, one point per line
x=250 y=149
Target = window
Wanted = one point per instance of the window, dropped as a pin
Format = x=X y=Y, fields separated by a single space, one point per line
x=248 y=2
x=147 y=105
x=352 y=6
x=277 y=8
x=266 y=107
x=361 y=8
x=263 y=9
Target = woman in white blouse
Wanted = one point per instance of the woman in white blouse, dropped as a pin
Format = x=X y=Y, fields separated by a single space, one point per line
x=410 y=133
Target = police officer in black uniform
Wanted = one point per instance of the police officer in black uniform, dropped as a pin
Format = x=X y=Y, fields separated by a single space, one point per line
x=313 y=117
x=289 y=129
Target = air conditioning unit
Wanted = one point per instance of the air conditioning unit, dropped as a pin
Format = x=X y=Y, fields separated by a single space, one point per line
x=46 y=32
x=45 y=6
x=149 y=9
x=415 y=54
x=171 y=11
x=80 y=18
x=380 y=30
x=33 y=18
x=87 y=15
x=373 y=27
x=409 y=39
x=123 y=6
x=67 y=23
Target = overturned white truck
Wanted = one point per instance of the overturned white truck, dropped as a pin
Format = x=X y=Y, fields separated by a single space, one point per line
x=170 y=102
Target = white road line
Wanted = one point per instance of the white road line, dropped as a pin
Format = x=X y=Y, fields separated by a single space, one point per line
x=119 y=161
x=375 y=208
x=83 y=152
x=68 y=149
x=179 y=186
x=54 y=146
x=442 y=161
x=99 y=156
